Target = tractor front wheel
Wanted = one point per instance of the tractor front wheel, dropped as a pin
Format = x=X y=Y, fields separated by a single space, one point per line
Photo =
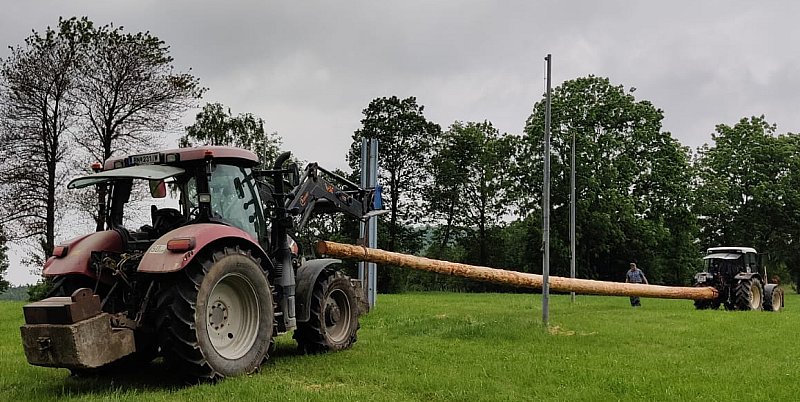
x=333 y=322
x=217 y=318
x=702 y=304
x=748 y=294
x=773 y=297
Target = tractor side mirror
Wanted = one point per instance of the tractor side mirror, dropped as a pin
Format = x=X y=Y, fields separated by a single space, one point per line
x=158 y=189
x=237 y=184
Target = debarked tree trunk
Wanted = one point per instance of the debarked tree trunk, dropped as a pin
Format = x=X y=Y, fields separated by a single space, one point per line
x=513 y=278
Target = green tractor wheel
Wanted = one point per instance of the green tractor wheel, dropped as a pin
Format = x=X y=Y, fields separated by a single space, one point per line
x=748 y=294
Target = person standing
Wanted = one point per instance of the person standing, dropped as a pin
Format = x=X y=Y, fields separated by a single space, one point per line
x=635 y=275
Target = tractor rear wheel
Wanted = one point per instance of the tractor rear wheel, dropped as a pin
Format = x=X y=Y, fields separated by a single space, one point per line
x=748 y=294
x=333 y=322
x=217 y=318
x=773 y=297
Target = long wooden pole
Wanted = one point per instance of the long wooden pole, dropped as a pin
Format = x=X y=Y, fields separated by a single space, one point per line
x=513 y=278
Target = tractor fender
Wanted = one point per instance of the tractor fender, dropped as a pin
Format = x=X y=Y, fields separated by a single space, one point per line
x=158 y=259
x=747 y=275
x=306 y=277
x=79 y=253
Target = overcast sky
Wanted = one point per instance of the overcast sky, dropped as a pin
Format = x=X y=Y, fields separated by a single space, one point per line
x=309 y=68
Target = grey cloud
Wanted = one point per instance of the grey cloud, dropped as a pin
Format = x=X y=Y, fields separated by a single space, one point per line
x=309 y=68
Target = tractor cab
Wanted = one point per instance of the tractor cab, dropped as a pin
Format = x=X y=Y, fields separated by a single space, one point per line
x=735 y=273
x=727 y=262
x=179 y=187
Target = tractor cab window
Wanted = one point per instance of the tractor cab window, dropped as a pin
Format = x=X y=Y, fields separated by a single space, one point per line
x=234 y=198
x=750 y=262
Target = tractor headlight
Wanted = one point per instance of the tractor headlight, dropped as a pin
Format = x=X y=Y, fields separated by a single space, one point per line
x=702 y=277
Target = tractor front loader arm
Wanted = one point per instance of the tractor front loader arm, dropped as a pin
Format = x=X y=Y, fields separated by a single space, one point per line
x=322 y=191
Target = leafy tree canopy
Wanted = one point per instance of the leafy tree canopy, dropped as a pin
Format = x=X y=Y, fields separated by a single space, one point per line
x=215 y=125
x=632 y=181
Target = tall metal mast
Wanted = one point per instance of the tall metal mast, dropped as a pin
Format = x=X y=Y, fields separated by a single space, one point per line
x=546 y=208
x=572 y=217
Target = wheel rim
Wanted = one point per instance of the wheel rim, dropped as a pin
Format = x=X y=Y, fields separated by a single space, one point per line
x=776 y=300
x=755 y=297
x=232 y=316
x=337 y=315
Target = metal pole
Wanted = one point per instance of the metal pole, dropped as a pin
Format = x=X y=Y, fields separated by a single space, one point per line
x=363 y=227
x=546 y=208
x=372 y=240
x=368 y=272
x=572 y=217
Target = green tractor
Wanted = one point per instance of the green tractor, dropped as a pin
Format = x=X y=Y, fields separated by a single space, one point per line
x=740 y=281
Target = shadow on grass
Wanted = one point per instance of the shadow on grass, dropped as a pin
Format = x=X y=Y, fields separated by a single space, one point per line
x=155 y=376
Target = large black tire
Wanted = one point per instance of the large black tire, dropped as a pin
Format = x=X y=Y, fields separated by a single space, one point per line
x=216 y=318
x=748 y=294
x=773 y=297
x=702 y=304
x=333 y=322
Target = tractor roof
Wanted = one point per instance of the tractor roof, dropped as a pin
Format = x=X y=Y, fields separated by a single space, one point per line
x=180 y=156
x=723 y=256
x=149 y=172
x=740 y=250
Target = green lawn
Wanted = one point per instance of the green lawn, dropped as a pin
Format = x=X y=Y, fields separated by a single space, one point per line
x=445 y=346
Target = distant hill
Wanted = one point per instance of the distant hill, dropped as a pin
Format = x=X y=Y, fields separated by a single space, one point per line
x=17 y=293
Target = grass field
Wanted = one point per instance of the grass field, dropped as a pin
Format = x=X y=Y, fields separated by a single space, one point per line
x=445 y=346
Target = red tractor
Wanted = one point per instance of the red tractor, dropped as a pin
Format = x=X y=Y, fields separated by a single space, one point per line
x=208 y=282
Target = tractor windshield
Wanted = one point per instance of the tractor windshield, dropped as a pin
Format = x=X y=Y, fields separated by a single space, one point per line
x=234 y=198
x=723 y=263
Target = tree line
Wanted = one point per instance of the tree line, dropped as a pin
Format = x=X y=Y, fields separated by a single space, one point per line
x=80 y=93
x=471 y=194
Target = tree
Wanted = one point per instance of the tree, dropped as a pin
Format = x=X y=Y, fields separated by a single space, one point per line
x=729 y=175
x=37 y=111
x=633 y=183
x=215 y=125
x=4 y=284
x=128 y=90
x=470 y=168
x=405 y=138
x=747 y=186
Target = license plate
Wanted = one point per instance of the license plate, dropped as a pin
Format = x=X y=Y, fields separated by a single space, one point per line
x=146 y=159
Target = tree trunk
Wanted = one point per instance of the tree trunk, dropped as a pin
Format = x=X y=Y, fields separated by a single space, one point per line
x=102 y=191
x=513 y=278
